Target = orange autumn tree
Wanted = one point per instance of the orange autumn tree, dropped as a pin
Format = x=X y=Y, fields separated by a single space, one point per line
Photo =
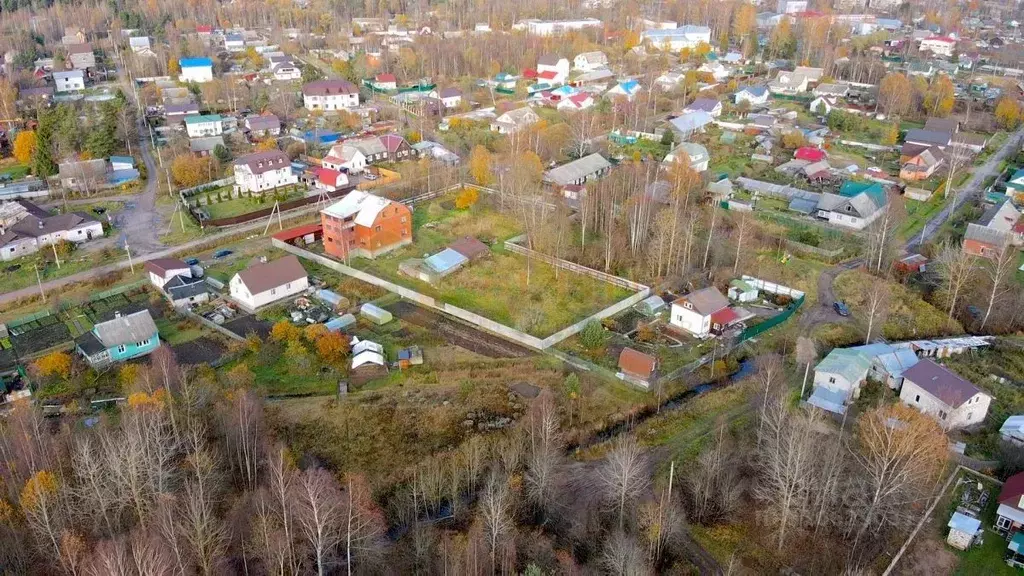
x=24 y=146
x=54 y=365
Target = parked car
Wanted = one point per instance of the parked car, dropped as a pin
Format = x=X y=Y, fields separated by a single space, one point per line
x=191 y=261
x=841 y=308
x=222 y=254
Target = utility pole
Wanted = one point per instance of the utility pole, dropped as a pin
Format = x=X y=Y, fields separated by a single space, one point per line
x=128 y=250
x=55 y=257
x=39 y=281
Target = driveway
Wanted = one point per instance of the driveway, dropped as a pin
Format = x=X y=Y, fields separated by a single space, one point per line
x=823 y=312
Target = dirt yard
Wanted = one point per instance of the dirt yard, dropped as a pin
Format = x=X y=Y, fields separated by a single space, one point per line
x=459 y=334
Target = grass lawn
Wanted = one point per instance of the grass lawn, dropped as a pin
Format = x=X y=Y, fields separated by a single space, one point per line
x=20 y=273
x=504 y=287
x=909 y=316
x=919 y=213
x=239 y=206
x=14 y=171
x=183 y=228
x=178 y=330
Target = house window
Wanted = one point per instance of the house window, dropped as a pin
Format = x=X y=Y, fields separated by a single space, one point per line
x=1004 y=523
x=942 y=414
x=917 y=398
x=288 y=286
x=376 y=229
x=121 y=349
x=403 y=219
x=968 y=415
x=832 y=380
x=273 y=291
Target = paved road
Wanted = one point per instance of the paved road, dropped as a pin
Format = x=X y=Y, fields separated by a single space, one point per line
x=256 y=226
x=972 y=188
x=141 y=224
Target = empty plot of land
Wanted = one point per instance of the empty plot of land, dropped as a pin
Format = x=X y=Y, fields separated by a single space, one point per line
x=457 y=333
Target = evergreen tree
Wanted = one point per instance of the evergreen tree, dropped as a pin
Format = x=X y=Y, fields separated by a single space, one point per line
x=222 y=154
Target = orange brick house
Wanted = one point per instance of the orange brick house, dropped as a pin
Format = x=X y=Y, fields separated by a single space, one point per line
x=365 y=225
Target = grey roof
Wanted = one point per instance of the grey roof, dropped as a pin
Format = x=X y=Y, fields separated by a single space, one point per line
x=706 y=301
x=850 y=363
x=979 y=233
x=548 y=60
x=184 y=287
x=260 y=162
x=264 y=122
x=126 y=329
x=942 y=125
x=1013 y=427
x=691 y=121
x=704 y=104
x=94 y=168
x=861 y=203
x=68 y=74
x=1000 y=216
x=829 y=400
x=186 y=108
x=929 y=137
x=89 y=344
x=205 y=143
x=941 y=383
x=577 y=169
x=263 y=277
x=450 y=92
x=832 y=89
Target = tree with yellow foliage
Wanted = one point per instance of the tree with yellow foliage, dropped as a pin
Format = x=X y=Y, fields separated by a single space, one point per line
x=467 y=198
x=480 y=165
x=173 y=67
x=744 y=22
x=188 y=170
x=939 y=99
x=285 y=331
x=266 y=145
x=630 y=40
x=54 y=364
x=42 y=510
x=332 y=347
x=314 y=332
x=1008 y=112
x=25 y=146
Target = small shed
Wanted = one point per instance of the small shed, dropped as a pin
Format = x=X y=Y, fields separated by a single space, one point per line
x=470 y=247
x=340 y=323
x=637 y=367
x=375 y=314
x=912 y=263
x=963 y=531
x=411 y=356
x=445 y=262
x=741 y=291
x=651 y=305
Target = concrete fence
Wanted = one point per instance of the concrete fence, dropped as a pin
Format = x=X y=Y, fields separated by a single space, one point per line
x=512 y=245
x=867 y=145
x=472 y=318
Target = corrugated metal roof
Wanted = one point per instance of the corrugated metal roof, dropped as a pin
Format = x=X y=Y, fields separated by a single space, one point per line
x=964 y=523
x=828 y=400
x=445 y=261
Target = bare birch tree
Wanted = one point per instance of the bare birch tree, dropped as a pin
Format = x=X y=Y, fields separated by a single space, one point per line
x=321 y=511
x=998 y=271
x=877 y=305
x=496 y=514
x=806 y=353
x=623 y=476
x=787 y=456
x=364 y=523
x=955 y=269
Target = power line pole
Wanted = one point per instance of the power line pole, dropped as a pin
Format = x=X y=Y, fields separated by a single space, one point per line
x=39 y=281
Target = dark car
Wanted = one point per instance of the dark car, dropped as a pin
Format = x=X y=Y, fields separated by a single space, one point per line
x=222 y=254
x=841 y=309
x=191 y=261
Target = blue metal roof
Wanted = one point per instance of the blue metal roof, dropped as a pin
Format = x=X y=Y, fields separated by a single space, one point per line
x=122 y=160
x=964 y=523
x=195 y=62
x=445 y=261
x=828 y=400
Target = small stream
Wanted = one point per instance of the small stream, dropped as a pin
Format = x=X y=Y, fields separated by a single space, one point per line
x=671 y=403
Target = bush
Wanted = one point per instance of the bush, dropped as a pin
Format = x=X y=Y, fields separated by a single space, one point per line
x=467 y=198
x=592 y=336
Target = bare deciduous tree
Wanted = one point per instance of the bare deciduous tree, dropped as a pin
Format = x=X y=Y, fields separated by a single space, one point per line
x=877 y=305
x=955 y=269
x=806 y=353
x=714 y=482
x=998 y=271
x=321 y=510
x=364 y=523
x=623 y=476
x=623 y=556
x=496 y=514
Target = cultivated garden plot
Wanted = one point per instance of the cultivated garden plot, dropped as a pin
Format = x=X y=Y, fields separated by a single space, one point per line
x=511 y=289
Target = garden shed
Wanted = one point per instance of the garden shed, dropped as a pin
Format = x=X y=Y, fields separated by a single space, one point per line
x=445 y=262
x=375 y=314
x=741 y=291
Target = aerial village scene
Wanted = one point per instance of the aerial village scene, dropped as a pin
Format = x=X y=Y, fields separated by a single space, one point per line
x=615 y=287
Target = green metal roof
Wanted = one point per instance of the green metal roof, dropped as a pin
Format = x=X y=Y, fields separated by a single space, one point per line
x=874 y=190
x=741 y=285
x=202 y=118
x=846 y=362
x=1017 y=542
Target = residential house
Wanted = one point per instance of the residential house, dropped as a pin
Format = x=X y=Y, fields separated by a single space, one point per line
x=922 y=69
x=285 y=70
x=330 y=95
x=554 y=27
x=938 y=45
x=83 y=175
x=696 y=156
x=186 y=291
x=204 y=146
x=81 y=56
x=1002 y=216
x=702 y=312
x=924 y=137
x=708 y=105
x=596 y=80
x=675 y=39
x=1010 y=513
x=122 y=338
x=268 y=282
x=578 y=171
x=435 y=151
x=1012 y=430
x=791 y=6
x=70 y=81
x=753 y=95
x=450 y=97
x=330 y=180
x=234 y=42
x=831 y=90
x=716 y=69
x=362 y=224
x=856 y=206
x=557 y=66
x=27 y=228
x=196 y=70
x=161 y=270
x=688 y=124
x=984 y=241
x=788 y=83
x=627 y=89
x=972 y=142
x=348 y=157
x=812 y=74
x=943 y=395
x=578 y=101
x=948 y=125
x=263 y=125
x=398 y=149
x=385 y=81
x=637 y=367
x=838 y=379
x=261 y=171
x=514 y=120
x=923 y=165
x=175 y=113
x=590 y=61
x=204 y=125
x=140 y=45
x=823 y=105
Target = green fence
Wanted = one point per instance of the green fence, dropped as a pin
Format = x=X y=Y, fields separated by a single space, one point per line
x=770 y=323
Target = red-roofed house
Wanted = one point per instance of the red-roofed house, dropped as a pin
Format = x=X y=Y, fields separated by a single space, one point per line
x=810 y=154
x=385 y=82
x=580 y=101
x=1010 y=514
x=550 y=76
x=330 y=180
x=940 y=45
x=637 y=367
x=397 y=147
x=204 y=29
